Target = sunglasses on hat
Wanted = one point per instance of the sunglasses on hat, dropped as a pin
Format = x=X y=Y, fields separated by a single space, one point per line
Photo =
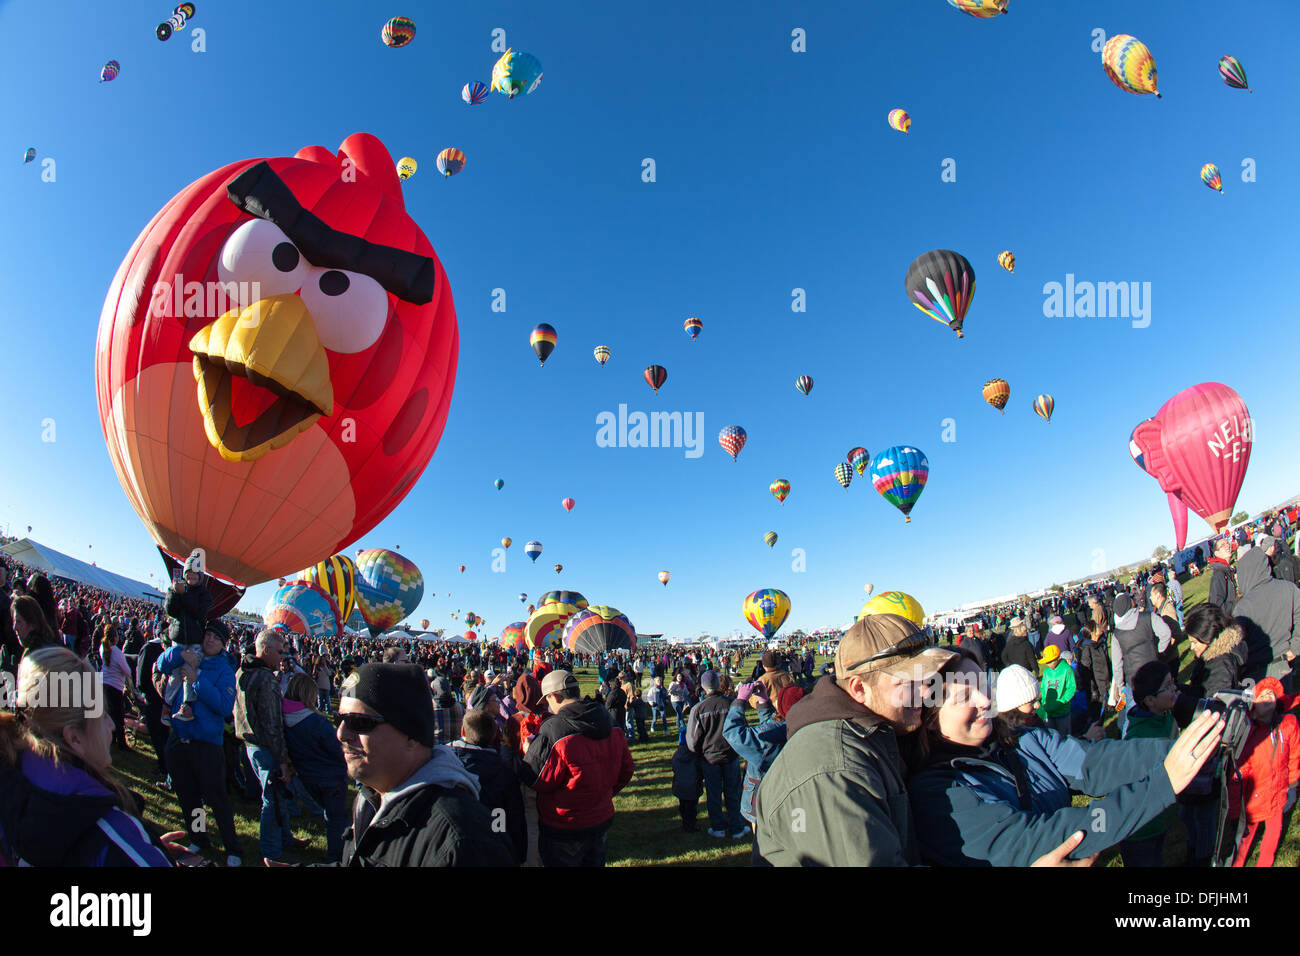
x=909 y=646
x=361 y=723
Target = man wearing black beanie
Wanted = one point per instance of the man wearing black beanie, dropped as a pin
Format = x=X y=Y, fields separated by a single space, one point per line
x=418 y=805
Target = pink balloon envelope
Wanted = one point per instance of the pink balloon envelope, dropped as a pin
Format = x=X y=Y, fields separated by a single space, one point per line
x=1198 y=447
x=568 y=504
x=1177 y=508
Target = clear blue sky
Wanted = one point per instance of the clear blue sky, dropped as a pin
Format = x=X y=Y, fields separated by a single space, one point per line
x=775 y=170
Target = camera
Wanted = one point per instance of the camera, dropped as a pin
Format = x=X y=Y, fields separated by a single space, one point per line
x=1235 y=706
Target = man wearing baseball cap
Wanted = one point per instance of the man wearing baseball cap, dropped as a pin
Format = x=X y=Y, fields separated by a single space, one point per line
x=576 y=763
x=418 y=805
x=835 y=795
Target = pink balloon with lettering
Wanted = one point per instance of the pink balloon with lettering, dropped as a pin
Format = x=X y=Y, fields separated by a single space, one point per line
x=1198 y=447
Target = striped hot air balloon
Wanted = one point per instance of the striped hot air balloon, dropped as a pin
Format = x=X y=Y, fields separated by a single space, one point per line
x=982 y=9
x=1007 y=260
x=1129 y=64
x=602 y=354
x=543 y=340
x=859 y=458
x=900 y=120
x=655 y=376
x=474 y=93
x=899 y=474
x=779 y=488
x=598 y=629
x=1043 y=406
x=693 y=328
x=533 y=549
x=804 y=383
x=110 y=71
x=1210 y=176
x=732 y=439
x=770 y=539
x=996 y=392
x=1233 y=73
x=450 y=161
x=398 y=31
x=941 y=283
x=337 y=577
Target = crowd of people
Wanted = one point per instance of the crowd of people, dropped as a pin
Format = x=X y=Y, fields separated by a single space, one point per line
x=914 y=746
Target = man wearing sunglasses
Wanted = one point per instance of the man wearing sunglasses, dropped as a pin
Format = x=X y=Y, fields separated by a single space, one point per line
x=418 y=805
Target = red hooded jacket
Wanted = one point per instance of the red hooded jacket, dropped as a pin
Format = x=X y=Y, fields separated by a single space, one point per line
x=1270 y=765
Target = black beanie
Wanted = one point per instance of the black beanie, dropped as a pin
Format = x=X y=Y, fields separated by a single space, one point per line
x=1148 y=680
x=400 y=694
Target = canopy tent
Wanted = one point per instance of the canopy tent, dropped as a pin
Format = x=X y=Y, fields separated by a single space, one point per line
x=57 y=564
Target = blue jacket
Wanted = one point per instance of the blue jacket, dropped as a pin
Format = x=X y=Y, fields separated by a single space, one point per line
x=215 y=692
x=757 y=745
x=968 y=812
x=314 y=749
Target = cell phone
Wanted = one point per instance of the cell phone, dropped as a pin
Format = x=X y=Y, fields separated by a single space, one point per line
x=177 y=573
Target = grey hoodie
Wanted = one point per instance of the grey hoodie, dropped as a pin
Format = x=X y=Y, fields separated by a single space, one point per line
x=1269 y=613
x=444 y=769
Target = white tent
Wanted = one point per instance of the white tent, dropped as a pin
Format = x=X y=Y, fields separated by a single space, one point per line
x=57 y=564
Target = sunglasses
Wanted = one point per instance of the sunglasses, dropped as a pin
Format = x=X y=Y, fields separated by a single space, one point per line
x=909 y=646
x=361 y=724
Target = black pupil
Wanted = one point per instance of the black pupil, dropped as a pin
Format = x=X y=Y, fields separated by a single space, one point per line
x=334 y=282
x=285 y=257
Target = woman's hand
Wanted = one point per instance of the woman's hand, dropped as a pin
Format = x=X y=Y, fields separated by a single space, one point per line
x=1060 y=856
x=1194 y=746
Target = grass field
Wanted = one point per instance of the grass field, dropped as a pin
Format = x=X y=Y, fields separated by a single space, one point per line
x=646 y=830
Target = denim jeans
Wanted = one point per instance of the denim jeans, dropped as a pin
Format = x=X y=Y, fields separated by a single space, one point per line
x=273 y=831
x=721 y=780
x=572 y=848
x=1200 y=820
x=323 y=701
x=656 y=714
x=334 y=799
x=678 y=707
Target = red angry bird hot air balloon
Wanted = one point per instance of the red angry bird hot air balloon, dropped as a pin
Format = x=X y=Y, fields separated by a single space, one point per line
x=1198 y=447
x=275 y=361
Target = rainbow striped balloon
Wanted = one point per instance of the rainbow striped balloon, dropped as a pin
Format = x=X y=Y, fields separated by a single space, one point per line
x=779 y=488
x=900 y=120
x=899 y=475
x=1210 y=176
x=543 y=339
x=512 y=637
x=1043 y=405
x=983 y=9
x=599 y=629
x=693 y=328
x=766 y=610
x=1233 y=73
x=602 y=354
x=1129 y=64
x=859 y=458
x=450 y=161
x=398 y=31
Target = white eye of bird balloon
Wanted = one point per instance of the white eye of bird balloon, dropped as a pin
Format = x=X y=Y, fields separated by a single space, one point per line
x=349 y=308
x=263 y=261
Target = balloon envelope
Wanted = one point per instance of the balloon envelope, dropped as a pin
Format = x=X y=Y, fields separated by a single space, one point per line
x=1129 y=64
x=533 y=549
x=996 y=391
x=337 y=577
x=732 y=439
x=895 y=602
x=516 y=73
x=780 y=489
x=543 y=340
x=941 y=284
x=599 y=629
x=304 y=610
x=899 y=474
x=398 y=31
x=899 y=120
x=766 y=610
x=389 y=588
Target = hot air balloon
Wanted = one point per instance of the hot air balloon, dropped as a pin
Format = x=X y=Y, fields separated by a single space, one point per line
x=559 y=568
x=996 y=392
x=307 y=449
x=1043 y=406
x=1233 y=73
x=859 y=458
x=303 y=610
x=770 y=539
x=522 y=597
x=693 y=327
x=110 y=71
x=282 y=582
x=602 y=354
x=1177 y=508
x=868 y=588
x=554 y=608
x=843 y=474
x=185 y=8
x=567 y=504
x=406 y=167
x=516 y=73
x=982 y=9
x=29 y=155
x=1210 y=176
x=498 y=484
x=424 y=624
x=895 y=602
x=474 y=93
x=779 y=488
x=533 y=549
x=766 y=610
x=941 y=284
x=337 y=577
x=599 y=629
x=1198 y=447
x=899 y=474
x=899 y=120
x=804 y=383
x=513 y=637
x=398 y=31
x=462 y=569
x=663 y=578
x=655 y=376
x=1007 y=260
x=506 y=542
x=389 y=588
x=450 y=161
x=1129 y=64
x=732 y=439
x=543 y=339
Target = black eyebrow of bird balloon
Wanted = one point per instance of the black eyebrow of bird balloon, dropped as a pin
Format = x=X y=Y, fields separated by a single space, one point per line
x=260 y=192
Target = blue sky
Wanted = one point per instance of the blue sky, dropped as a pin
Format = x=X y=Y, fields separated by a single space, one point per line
x=775 y=171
